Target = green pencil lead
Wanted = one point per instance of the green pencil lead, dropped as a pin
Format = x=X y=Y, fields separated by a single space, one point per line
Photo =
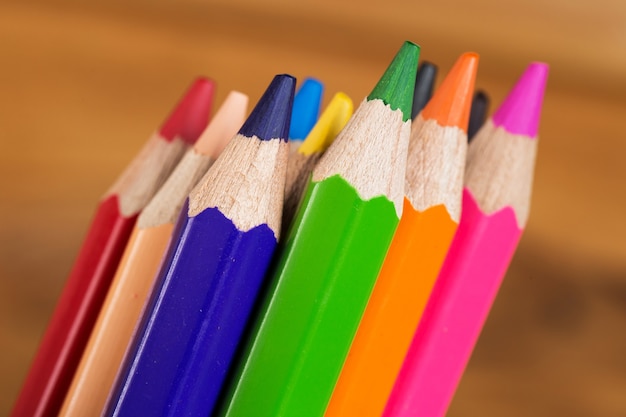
x=396 y=86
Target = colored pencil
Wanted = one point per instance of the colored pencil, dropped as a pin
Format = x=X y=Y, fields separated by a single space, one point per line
x=498 y=180
x=77 y=309
x=432 y=207
x=133 y=280
x=210 y=279
x=303 y=159
x=306 y=109
x=478 y=114
x=424 y=85
x=331 y=258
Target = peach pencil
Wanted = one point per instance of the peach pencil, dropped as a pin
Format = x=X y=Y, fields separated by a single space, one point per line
x=134 y=278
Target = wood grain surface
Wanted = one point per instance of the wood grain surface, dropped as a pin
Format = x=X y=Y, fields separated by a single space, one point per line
x=82 y=86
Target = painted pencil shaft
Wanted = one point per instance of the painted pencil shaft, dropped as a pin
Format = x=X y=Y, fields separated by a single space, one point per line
x=431 y=389
x=434 y=183
x=387 y=346
x=173 y=339
x=210 y=278
x=53 y=367
x=75 y=314
x=496 y=198
x=134 y=278
x=117 y=321
x=330 y=260
x=289 y=319
x=100 y=362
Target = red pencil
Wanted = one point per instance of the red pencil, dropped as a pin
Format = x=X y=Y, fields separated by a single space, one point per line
x=60 y=350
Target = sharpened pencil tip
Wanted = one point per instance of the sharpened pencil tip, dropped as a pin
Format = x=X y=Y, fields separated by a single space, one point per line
x=191 y=115
x=396 y=86
x=451 y=103
x=424 y=84
x=520 y=111
x=478 y=113
x=306 y=108
x=332 y=120
x=271 y=116
x=224 y=125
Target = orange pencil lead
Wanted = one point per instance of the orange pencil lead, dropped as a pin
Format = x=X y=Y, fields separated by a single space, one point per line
x=450 y=106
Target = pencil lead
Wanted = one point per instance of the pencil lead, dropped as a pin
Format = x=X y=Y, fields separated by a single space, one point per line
x=332 y=120
x=478 y=113
x=191 y=114
x=520 y=111
x=306 y=108
x=424 y=83
x=452 y=101
x=395 y=87
x=225 y=123
x=271 y=116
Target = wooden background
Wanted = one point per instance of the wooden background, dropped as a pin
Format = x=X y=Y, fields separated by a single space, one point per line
x=82 y=87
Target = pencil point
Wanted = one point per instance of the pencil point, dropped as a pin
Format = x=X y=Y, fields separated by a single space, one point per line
x=191 y=114
x=424 y=83
x=520 y=111
x=395 y=87
x=451 y=103
x=332 y=120
x=271 y=116
x=228 y=118
x=306 y=108
x=478 y=113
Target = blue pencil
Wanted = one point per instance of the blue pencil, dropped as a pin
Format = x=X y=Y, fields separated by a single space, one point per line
x=209 y=282
x=306 y=109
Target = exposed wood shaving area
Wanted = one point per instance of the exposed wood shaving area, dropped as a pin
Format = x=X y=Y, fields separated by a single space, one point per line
x=245 y=183
x=370 y=153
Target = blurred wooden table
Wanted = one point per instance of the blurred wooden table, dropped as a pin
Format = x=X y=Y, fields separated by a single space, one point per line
x=82 y=86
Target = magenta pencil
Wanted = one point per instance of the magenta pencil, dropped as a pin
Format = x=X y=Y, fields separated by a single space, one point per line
x=498 y=181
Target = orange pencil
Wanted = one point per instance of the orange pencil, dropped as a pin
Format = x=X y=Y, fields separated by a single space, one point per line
x=134 y=278
x=432 y=208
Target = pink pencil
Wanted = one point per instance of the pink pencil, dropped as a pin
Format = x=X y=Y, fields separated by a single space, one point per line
x=498 y=180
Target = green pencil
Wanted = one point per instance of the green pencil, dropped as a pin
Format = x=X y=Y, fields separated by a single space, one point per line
x=330 y=260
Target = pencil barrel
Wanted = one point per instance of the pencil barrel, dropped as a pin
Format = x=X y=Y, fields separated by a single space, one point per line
x=318 y=293
x=197 y=317
x=456 y=311
x=66 y=336
x=393 y=312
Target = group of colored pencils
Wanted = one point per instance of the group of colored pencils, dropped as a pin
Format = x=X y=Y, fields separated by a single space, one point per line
x=288 y=265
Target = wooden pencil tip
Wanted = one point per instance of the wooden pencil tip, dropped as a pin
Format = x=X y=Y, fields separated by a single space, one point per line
x=424 y=84
x=451 y=103
x=478 y=113
x=395 y=87
x=191 y=115
x=306 y=108
x=332 y=120
x=521 y=110
x=271 y=116
x=226 y=121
